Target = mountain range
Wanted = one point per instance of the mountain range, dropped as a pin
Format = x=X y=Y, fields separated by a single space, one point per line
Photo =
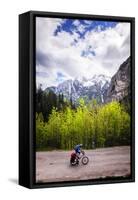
x=95 y=87
x=101 y=87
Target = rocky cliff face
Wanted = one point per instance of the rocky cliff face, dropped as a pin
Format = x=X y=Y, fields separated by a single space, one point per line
x=119 y=88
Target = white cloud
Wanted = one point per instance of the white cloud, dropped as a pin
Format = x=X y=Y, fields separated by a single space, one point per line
x=78 y=26
x=76 y=22
x=58 y=54
x=81 y=28
x=88 y=22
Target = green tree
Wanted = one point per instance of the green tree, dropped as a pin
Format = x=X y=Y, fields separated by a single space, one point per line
x=105 y=125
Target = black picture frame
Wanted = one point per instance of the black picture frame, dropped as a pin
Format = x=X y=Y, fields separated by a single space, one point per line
x=27 y=99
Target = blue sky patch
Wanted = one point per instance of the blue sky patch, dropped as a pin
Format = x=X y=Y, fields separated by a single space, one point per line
x=60 y=77
x=69 y=26
x=88 y=51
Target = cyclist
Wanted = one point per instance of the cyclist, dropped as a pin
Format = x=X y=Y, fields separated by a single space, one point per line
x=78 y=149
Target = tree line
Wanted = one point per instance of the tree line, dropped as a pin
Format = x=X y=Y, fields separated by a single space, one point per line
x=93 y=125
x=47 y=100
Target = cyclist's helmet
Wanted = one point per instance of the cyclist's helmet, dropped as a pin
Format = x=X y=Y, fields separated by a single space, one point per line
x=81 y=145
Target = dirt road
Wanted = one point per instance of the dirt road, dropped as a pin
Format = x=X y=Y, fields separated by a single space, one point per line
x=54 y=165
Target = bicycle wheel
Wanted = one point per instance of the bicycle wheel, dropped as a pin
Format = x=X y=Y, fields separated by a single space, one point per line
x=85 y=160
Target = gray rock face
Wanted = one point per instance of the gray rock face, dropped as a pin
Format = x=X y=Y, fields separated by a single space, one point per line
x=119 y=88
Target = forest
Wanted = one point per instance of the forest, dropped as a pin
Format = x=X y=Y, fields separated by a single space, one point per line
x=61 y=124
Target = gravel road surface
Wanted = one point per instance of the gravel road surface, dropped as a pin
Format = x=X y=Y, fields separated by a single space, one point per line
x=54 y=166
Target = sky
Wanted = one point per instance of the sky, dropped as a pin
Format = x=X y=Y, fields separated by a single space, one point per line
x=73 y=48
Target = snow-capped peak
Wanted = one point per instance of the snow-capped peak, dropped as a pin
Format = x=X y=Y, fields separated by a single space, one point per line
x=94 y=87
x=97 y=79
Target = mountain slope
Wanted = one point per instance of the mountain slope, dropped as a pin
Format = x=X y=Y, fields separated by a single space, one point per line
x=120 y=84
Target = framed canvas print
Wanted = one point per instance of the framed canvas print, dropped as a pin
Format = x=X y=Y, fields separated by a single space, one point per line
x=76 y=99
